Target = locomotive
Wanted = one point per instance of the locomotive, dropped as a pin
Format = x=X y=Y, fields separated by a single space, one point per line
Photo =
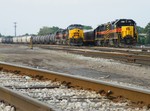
x=75 y=34
x=117 y=33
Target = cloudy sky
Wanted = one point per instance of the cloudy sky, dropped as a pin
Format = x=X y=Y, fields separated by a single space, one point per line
x=31 y=15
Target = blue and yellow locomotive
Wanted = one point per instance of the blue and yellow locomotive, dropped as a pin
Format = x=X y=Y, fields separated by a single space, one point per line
x=75 y=34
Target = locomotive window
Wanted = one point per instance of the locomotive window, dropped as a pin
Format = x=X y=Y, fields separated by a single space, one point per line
x=112 y=26
x=75 y=26
x=125 y=23
x=122 y=21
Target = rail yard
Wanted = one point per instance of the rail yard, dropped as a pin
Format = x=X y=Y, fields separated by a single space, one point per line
x=90 y=64
x=79 y=55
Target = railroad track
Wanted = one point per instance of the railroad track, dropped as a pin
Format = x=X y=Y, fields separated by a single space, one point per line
x=22 y=102
x=134 y=57
x=106 y=49
x=109 y=90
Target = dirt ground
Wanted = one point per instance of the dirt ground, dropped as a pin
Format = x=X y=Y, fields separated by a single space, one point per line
x=97 y=68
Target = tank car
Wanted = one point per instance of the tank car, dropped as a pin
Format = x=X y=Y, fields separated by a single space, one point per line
x=3 y=40
x=25 y=39
x=7 y=40
x=10 y=40
x=34 y=39
x=28 y=39
x=19 y=39
x=45 y=39
x=42 y=39
x=15 y=40
x=52 y=38
x=38 y=39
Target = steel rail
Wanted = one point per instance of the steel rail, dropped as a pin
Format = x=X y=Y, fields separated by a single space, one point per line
x=106 y=49
x=134 y=94
x=127 y=57
x=22 y=102
x=133 y=58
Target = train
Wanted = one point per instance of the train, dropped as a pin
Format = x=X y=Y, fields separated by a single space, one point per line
x=116 y=33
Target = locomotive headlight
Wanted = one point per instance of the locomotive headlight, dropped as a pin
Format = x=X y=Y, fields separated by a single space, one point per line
x=128 y=28
x=76 y=34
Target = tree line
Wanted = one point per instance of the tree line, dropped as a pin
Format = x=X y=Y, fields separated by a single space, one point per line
x=144 y=34
x=50 y=30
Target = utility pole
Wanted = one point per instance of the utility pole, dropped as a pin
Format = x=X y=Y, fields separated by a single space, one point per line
x=15 y=25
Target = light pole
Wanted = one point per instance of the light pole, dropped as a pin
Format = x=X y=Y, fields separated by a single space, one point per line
x=15 y=25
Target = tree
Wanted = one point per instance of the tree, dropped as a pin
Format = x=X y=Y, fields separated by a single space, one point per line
x=87 y=27
x=26 y=34
x=147 y=31
x=141 y=35
x=47 y=30
x=140 y=29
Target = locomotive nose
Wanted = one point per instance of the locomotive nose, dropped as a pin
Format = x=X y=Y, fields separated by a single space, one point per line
x=127 y=31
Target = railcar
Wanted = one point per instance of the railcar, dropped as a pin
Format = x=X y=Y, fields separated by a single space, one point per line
x=21 y=39
x=3 y=40
x=41 y=39
x=38 y=39
x=33 y=39
x=45 y=39
x=28 y=39
x=52 y=38
x=116 y=33
x=59 y=36
x=15 y=40
x=89 y=38
x=7 y=40
x=25 y=39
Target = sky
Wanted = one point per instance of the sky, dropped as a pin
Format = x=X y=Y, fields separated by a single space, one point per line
x=31 y=15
